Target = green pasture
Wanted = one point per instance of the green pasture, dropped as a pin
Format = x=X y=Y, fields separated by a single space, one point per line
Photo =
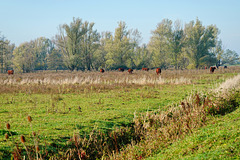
x=220 y=139
x=57 y=116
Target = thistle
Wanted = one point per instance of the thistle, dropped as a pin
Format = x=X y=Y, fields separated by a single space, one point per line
x=22 y=139
x=37 y=148
x=34 y=134
x=29 y=119
x=6 y=136
x=8 y=126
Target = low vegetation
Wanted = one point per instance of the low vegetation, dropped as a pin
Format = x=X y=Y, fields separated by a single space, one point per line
x=219 y=139
x=162 y=130
x=110 y=115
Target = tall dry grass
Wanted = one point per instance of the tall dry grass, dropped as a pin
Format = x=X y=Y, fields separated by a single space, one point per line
x=109 y=77
x=233 y=83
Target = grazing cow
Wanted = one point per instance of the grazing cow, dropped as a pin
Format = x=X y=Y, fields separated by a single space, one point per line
x=10 y=72
x=205 y=67
x=130 y=70
x=145 y=69
x=158 y=71
x=102 y=70
x=225 y=67
x=121 y=69
x=212 y=69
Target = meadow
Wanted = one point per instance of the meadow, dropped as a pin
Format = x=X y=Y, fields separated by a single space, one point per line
x=63 y=104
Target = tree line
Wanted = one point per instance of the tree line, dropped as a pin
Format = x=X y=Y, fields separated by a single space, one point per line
x=78 y=46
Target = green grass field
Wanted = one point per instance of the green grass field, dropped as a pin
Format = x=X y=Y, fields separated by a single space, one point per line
x=219 y=139
x=102 y=101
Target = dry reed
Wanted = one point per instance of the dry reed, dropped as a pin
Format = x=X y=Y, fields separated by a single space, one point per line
x=109 y=77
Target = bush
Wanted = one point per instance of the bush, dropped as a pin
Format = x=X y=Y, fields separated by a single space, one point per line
x=222 y=105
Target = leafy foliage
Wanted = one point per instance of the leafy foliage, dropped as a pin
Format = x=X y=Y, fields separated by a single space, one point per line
x=230 y=57
x=78 y=46
x=6 y=56
x=200 y=40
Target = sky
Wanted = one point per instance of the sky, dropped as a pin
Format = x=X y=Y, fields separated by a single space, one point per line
x=25 y=20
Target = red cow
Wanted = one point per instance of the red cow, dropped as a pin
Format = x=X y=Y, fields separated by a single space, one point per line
x=205 y=67
x=102 y=70
x=121 y=69
x=10 y=72
x=130 y=71
x=212 y=69
x=158 y=71
x=145 y=69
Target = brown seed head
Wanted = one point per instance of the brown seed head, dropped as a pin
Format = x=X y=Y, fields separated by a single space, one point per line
x=29 y=118
x=8 y=126
x=23 y=139
x=34 y=133
x=6 y=136
x=37 y=148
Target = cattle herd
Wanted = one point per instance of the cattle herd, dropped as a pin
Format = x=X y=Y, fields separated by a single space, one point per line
x=159 y=71
x=130 y=71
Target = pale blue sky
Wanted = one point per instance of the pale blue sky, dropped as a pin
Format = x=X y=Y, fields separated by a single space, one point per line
x=25 y=20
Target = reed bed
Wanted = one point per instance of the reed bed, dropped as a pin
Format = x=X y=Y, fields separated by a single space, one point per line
x=233 y=83
x=109 y=77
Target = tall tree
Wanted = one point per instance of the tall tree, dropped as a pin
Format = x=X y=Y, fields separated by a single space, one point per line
x=99 y=58
x=69 y=42
x=135 y=39
x=176 y=44
x=24 y=57
x=89 y=45
x=9 y=56
x=3 y=51
x=118 y=47
x=6 y=50
x=142 y=57
x=159 y=44
x=218 y=51
x=55 y=60
x=199 y=41
x=230 y=57
x=43 y=47
x=78 y=42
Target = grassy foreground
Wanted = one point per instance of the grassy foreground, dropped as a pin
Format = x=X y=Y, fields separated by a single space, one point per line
x=62 y=105
x=220 y=139
x=204 y=126
x=57 y=115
